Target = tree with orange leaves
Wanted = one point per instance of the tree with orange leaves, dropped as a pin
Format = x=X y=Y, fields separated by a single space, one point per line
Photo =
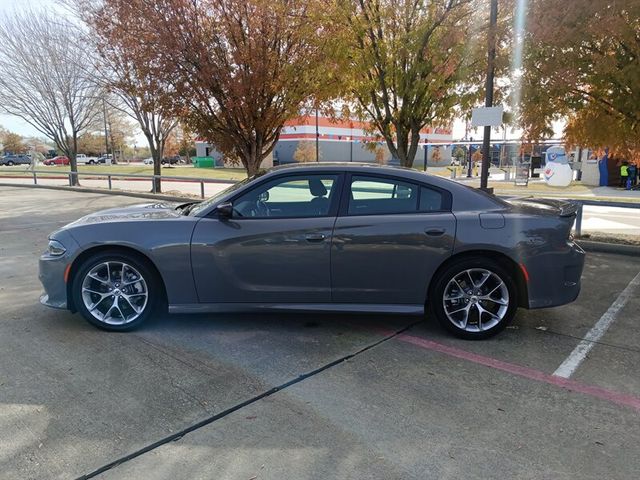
x=233 y=70
x=581 y=63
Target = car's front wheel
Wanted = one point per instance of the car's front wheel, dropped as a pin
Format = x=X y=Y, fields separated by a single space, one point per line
x=115 y=291
x=474 y=298
x=10 y=163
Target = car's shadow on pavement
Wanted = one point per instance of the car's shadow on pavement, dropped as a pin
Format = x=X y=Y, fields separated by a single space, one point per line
x=277 y=323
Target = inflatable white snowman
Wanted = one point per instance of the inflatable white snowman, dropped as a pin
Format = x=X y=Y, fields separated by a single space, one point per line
x=557 y=171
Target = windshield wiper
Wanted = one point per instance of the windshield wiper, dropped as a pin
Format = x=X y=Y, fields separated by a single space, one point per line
x=186 y=207
x=189 y=207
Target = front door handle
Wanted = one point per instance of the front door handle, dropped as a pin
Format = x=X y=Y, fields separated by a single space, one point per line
x=315 y=237
x=434 y=232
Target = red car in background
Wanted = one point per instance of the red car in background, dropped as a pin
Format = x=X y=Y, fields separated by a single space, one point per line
x=59 y=160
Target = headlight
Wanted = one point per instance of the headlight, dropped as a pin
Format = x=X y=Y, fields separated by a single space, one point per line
x=55 y=248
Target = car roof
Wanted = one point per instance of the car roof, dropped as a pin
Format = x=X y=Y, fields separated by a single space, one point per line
x=364 y=168
x=341 y=166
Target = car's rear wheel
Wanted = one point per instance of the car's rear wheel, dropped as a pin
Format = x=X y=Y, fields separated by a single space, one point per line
x=474 y=298
x=115 y=291
x=10 y=163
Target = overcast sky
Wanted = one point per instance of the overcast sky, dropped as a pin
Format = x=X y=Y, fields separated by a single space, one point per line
x=10 y=122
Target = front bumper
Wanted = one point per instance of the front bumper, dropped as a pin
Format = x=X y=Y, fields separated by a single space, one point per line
x=51 y=276
x=52 y=271
x=554 y=277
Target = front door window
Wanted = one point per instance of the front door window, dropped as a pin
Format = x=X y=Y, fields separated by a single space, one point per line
x=301 y=196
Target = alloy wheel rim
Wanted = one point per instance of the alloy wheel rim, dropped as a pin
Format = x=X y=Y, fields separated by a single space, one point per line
x=476 y=300
x=114 y=293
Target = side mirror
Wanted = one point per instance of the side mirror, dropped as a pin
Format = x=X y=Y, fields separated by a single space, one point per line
x=225 y=210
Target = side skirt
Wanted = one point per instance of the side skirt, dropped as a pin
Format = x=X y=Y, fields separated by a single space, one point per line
x=297 y=307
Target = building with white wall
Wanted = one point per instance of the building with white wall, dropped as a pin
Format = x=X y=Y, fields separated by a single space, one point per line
x=344 y=141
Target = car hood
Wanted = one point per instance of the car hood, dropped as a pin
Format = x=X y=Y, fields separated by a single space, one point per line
x=142 y=212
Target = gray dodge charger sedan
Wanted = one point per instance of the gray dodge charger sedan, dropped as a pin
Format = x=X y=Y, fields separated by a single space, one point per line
x=336 y=237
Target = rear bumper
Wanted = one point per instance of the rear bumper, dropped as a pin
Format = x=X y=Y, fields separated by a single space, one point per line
x=554 y=277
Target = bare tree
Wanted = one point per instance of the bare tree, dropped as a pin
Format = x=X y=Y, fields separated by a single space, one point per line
x=134 y=93
x=155 y=126
x=46 y=77
x=137 y=92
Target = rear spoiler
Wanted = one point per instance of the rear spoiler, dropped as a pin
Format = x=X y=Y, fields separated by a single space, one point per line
x=565 y=208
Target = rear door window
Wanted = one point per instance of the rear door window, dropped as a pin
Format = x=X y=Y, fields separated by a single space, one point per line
x=380 y=196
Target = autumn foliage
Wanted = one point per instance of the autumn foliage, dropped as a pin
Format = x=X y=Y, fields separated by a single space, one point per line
x=233 y=70
x=582 y=63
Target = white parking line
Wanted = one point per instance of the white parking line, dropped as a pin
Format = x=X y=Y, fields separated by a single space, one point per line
x=575 y=358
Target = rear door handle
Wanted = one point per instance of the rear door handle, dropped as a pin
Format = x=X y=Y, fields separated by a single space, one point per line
x=315 y=237
x=434 y=232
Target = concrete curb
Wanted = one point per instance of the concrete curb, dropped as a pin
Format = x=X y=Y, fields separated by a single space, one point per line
x=602 y=247
x=153 y=196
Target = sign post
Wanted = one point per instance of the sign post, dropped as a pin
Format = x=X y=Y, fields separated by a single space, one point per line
x=491 y=61
x=522 y=172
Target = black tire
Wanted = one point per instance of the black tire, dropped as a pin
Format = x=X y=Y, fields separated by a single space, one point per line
x=153 y=287
x=475 y=264
x=90 y=162
x=10 y=163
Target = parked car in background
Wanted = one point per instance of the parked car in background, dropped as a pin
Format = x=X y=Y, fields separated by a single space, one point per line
x=10 y=160
x=339 y=237
x=106 y=160
x=148 y=161
x=59 y=160
x=171 y=160
x=82 y=159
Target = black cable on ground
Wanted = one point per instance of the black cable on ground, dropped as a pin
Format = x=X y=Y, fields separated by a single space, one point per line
x=178 y=435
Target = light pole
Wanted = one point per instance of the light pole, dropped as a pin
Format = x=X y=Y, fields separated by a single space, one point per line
x=491 y=60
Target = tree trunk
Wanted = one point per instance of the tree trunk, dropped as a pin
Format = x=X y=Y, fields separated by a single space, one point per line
x=73 y=162
x=402 y=141
x=156 y=149
x=252 y=165
x=252 y=159
x=413 y=146
x=157 y=169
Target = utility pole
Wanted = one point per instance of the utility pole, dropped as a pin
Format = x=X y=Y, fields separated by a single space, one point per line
x=469 y=161
x=491 y=60
x=106 y=137
x=425 y=157
x=351 y=142
x=317 y=138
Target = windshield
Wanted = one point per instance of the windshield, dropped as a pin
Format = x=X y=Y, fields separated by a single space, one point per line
x=200 y=207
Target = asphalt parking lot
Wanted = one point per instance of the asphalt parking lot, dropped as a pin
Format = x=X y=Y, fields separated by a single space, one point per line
x=279 y=396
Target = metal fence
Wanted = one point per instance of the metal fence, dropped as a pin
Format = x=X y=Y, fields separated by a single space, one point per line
x=581 y=203
x=109 y=176
x=597 y=203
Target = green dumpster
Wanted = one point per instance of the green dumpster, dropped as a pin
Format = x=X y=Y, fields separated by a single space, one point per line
x=203 y=162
